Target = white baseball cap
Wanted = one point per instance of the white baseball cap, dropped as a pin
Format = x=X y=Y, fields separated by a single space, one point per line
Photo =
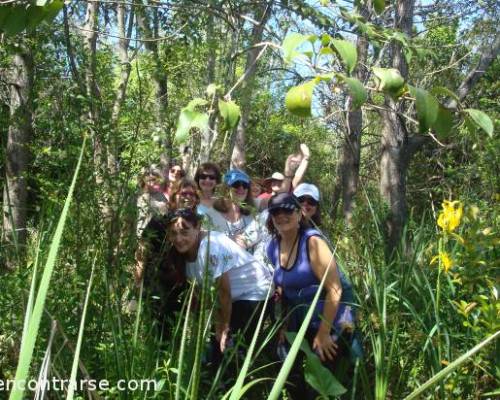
x=307 y=189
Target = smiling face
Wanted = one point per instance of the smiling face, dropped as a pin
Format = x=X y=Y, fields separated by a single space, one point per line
x=239 y=191
x=285 y=220
x=175 y=173
x=153 y=183
x=309 y=206
x=207 y=181
x=186 y=197
x=184 y=236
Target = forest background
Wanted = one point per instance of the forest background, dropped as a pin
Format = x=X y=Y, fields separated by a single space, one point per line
x=397 y=100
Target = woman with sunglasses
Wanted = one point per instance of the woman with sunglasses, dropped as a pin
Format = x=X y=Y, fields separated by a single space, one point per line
x=185 y=195
x=175 y=174
x=301 y=258
x=236 y=209
x=242 y=283
x=207 y=177
x=308 y=197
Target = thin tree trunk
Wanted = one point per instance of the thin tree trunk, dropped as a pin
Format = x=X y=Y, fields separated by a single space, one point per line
x=149 y=24
x=348 y=165
x=15 y=191
x=238 y=157
x=121 y=91
x=395 y=152
x=488 y=55
x=93 y=93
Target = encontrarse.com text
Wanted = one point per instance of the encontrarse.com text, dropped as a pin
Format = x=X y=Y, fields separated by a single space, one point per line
x=56 y=384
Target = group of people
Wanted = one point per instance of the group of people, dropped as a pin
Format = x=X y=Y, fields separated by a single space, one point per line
x=255 y=239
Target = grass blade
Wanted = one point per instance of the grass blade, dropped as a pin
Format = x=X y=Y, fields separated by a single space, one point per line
x=237 y=391
x=292 y=354
x=74 y=368
x=34 y=322
x=450 y=368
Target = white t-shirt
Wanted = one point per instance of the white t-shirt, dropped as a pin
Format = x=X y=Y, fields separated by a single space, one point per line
x=249 y=279
x=257 y=237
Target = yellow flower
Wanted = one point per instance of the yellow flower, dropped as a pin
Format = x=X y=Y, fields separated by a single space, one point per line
x=445 y=259
x=449 y=218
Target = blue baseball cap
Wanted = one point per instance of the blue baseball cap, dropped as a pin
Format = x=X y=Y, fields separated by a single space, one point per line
x=236 y=175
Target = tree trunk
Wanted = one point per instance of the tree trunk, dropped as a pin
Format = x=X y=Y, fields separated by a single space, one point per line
x=348 y=165
x=121 y=90
x=15 y=191
x=149 y=25
x=395 y=152
x=238 y=157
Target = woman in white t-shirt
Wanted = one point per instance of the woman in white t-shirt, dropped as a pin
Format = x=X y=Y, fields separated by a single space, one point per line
x=242 y=282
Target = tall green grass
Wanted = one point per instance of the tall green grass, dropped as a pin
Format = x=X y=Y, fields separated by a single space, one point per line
x=28 y=342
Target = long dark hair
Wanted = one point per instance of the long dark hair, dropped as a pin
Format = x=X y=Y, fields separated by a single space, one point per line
x=274 y=232
x=316 y=218
x=223 y=204
x=174 y=258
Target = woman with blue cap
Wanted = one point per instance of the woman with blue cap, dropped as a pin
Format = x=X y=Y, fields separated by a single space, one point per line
x=236 y=209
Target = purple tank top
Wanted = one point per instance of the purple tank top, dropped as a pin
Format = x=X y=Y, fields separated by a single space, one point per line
x=300 y=275
x=299 y=285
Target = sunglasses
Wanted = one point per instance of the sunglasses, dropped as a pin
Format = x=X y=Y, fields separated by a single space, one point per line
x=286 y=211
x=208 y=176
x=187 y=194
x=239 y=184
x=309 y=200
x=181 y=213
x=176 y=171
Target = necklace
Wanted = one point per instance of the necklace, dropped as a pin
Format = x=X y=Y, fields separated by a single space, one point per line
x=291 y=250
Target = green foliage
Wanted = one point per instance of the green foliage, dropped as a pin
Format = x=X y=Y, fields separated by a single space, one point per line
x=16 y=18
x=230 y=112
x=316 y=374
x=357 y=91
x=427 y=108
x=390 y=81
x=347 y=52
x=481 y=119
x=290 y=45
x=298 y=99
x=189 y=119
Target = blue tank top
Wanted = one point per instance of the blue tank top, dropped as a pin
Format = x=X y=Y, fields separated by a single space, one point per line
x=299 y=285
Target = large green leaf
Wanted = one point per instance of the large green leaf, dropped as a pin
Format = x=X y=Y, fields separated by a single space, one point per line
x=197 y=101
x=321 y=378
x=298 y=99
x=390 y=81
x=427 y=108
x=379 y=6
x=347 y=52
x=189 y=119
x=318 y=376
x=231 y=113
x=443 y=123
x=290 y=44
x=444 y=91
x=481 y=119
x=357 y=92
x=15 y=20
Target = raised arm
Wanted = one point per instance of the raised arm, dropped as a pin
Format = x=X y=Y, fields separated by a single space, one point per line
x=302 y=168
x=322 y=261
